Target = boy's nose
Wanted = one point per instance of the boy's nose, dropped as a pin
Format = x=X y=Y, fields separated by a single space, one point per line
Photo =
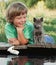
x=23 y=20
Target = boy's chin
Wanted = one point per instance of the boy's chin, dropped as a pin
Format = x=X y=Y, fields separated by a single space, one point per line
x=16 y=25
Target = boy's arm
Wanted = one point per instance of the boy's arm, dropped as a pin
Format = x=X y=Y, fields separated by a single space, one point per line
x=22 y=38
x=14 y=41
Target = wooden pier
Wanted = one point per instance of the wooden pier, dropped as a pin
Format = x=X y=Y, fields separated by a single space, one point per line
x=5 y=46
x=30 y=49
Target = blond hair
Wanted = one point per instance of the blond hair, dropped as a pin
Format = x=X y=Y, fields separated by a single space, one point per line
x=15 y=9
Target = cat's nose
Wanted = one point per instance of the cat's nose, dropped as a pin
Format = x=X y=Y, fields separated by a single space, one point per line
x=37 y=27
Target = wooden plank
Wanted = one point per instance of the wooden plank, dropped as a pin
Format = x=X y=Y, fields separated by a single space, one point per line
x=47 y=45
x=21 y=47
x=5 y=46
x=36 y=45
x=16 y=47
x=53 y=45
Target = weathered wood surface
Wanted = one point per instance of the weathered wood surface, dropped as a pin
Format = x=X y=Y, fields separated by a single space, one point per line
x=42 y=45
x=5 y=46
x=36 y=45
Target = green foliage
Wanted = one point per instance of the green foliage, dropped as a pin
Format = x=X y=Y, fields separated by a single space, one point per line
x=3 y=37
x=50 y=27
x=2 y=32
x=50 y=4
x=29 y=3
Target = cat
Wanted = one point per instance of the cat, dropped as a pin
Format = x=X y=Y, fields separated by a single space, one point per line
x=38 y=31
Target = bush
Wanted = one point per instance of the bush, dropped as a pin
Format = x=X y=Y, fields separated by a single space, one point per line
x=50 y=27
x=50 y=4
x=2 y=32
x=29 y=3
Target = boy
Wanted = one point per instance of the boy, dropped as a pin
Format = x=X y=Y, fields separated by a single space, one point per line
x=18 y=30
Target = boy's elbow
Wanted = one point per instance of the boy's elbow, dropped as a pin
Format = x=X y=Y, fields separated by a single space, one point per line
x=13 y=41
x=25 y=42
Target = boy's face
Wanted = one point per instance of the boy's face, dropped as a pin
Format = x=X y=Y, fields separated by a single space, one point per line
x=20 y=20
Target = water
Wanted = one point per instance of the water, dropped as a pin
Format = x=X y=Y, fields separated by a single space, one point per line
x=26 y=60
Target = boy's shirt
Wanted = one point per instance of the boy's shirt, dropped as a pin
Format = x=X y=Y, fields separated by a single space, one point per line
x=28 y=31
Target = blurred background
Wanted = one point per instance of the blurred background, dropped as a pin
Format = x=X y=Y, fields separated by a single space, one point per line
x=36 y=8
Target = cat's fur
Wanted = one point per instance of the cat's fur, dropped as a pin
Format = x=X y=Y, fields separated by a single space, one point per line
x=38 y=31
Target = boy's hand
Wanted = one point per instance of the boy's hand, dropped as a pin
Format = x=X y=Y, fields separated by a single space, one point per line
x=20 y=28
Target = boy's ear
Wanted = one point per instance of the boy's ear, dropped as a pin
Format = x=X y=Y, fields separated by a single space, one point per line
x=41 y=18
x=34 y=19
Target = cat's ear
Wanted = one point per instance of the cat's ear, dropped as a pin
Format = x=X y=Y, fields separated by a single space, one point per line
x=41 y=19
x=34 y=19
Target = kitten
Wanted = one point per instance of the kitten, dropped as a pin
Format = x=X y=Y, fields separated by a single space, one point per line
x=38 y=31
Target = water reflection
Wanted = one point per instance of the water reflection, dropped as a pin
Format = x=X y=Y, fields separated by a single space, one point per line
x=26 y=60
x=20 y=60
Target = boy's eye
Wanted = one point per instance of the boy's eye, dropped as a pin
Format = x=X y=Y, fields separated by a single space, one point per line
x=23 y=13
x=24 y=17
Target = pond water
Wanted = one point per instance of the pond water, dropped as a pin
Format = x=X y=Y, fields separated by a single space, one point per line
x=26 y=60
